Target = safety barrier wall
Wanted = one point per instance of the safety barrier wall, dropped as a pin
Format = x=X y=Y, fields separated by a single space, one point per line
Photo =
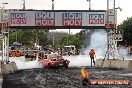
x=6 y=69
x=114 y=64
x=99 y=62
x=9 y=68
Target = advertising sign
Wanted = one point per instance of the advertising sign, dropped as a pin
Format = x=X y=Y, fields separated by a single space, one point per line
x=57 y=19
x=96 y=19
x=72 y=19
x=18 y=18
x=44 y=19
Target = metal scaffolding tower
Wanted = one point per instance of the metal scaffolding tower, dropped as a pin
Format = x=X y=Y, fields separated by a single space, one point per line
x=112 y=51
x=5 y=45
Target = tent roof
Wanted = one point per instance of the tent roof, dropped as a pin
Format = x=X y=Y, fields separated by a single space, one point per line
x=16 y=44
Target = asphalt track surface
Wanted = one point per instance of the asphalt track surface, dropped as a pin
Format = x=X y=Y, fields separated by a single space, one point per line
x=62 y=78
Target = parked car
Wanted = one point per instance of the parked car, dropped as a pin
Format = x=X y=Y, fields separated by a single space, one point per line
x=54 y=61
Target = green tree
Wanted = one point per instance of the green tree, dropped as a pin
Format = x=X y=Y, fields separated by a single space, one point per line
x=28 y=36
x=76 y=39
x=126 y=25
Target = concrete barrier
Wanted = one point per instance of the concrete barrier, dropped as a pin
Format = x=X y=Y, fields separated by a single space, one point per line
x=114 y=64
x=99 y=63
x=103 y=63
x=5 y=69
x=130 y=65
x=9 y=68
x=14 y=67
x=107 y=63
x=120 y=64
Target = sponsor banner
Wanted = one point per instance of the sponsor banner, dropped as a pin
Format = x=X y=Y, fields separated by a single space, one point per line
x=44 y=19
x=96 y=19
x=72 y=19
x=18 y=18
x=57 y=18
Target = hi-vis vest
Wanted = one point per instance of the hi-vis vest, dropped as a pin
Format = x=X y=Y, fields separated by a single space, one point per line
x=84 y=73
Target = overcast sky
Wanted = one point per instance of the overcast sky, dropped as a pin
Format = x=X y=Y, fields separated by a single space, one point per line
x=73 y=5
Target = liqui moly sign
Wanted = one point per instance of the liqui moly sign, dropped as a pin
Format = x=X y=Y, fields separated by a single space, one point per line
x=18 y=18
x=44 y=19
x=96 y=18
x=57 y=19
x=72 y=19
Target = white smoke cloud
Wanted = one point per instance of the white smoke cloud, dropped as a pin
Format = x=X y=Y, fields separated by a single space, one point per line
x=123 y=53
x=80 y=60
x=98 y=42
x=28 y=65
x=21 y=64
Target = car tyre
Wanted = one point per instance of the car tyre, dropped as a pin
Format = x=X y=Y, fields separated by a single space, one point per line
x=66 y=66
x=49 y=65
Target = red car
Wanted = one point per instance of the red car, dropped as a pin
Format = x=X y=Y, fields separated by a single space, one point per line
x=55 y=61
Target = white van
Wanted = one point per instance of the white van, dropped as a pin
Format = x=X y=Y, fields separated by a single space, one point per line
x=68 y=50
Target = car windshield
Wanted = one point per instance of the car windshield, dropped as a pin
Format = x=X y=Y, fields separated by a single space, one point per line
x=66 y=49
x=54 y=57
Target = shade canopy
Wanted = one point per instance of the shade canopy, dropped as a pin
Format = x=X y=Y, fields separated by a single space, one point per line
x=16 y=44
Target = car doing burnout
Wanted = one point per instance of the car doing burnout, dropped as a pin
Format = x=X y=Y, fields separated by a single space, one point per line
x=55 y=61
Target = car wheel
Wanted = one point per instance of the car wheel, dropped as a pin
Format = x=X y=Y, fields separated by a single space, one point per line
x=66 y=66
x=49 y=65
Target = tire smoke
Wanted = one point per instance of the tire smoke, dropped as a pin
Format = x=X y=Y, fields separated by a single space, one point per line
x=97 y=41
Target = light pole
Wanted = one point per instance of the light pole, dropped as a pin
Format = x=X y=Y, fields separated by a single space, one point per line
x=89 y=4
x=53 y=39
x=114 y=15
x=108 y=30
x=16 y=36
x=69 y=37
x=107 y=26
x=52 y=4
x=114 y=8
x=23 y=4
x=53 y=36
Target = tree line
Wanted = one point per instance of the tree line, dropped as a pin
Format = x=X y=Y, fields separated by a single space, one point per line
x=126 y=26
x=28 y=37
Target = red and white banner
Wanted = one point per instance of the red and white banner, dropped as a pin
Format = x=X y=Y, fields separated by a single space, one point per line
x=57 y=18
